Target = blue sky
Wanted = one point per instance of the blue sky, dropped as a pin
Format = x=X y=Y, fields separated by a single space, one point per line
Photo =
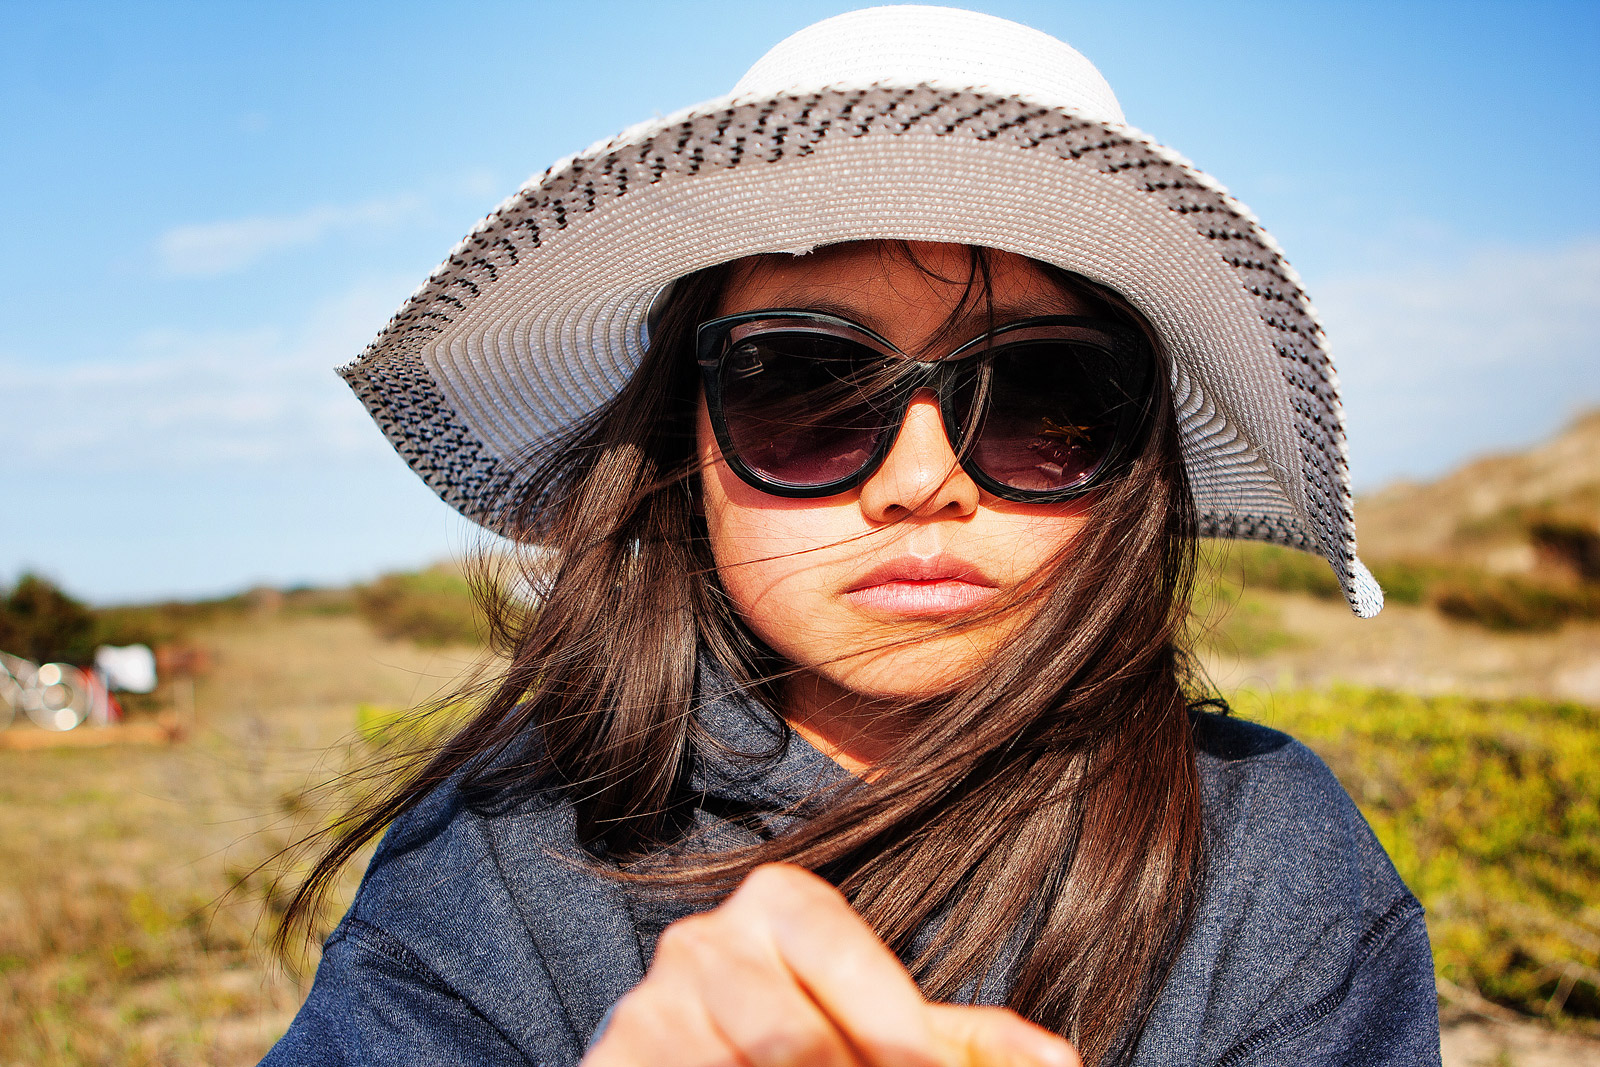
x=207 y=206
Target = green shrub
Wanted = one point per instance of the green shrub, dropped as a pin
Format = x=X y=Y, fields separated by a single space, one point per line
x=1568 y=543
x=390 y=730
x=172 y=621
x=1286 y=570
x=432 y=607
x=40 y=622
x=1226 y=616
x=380 y=726
x=169 y=621
x=1230 y=620
x=1464 y=593
x=313 y=600
x=1509 y=603
x=1258 y=566
x=1489 y=810
x=1407 y=581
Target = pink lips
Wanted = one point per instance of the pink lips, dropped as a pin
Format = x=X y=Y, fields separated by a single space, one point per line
x=911 y=587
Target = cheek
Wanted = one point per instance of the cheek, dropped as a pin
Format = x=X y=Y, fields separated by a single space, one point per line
x=784 y=564
x=1035 y=535
x=1051 y=536
x=773 y=555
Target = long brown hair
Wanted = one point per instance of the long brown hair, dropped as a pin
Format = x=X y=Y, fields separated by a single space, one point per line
x=1044 y=816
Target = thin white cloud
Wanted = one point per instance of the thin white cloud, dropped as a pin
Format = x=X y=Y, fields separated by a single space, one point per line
x=189 y=400
x=1444 y=361
x=211 y=248
x=1438 y=363
x=189 y=462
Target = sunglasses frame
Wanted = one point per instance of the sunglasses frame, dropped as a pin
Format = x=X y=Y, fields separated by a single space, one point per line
x=943 y=376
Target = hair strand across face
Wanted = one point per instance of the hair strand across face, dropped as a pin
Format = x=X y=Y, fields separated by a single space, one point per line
x=1042 y=819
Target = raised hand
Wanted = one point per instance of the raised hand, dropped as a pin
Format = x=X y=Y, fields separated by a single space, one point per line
x=786 y=974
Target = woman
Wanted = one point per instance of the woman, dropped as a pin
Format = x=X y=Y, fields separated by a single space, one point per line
x=864 y=421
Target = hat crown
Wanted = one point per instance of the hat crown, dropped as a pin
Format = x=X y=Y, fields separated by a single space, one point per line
x=914 y=44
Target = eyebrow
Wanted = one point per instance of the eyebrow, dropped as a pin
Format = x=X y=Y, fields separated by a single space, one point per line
x=969 y=324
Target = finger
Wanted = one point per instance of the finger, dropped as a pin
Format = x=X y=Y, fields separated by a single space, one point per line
x=837 y=958
x=995 y=1037
x=655 y=1025
x=749 y=995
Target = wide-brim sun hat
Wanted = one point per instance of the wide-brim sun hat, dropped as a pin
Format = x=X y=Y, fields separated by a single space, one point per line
x=902 y=122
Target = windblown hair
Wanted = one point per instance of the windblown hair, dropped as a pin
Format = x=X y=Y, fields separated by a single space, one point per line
x=1044 y=816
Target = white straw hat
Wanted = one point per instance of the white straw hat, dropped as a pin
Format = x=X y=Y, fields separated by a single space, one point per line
x=911 y=122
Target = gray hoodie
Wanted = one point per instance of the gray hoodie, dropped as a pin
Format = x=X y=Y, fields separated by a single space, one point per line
x=480 y=936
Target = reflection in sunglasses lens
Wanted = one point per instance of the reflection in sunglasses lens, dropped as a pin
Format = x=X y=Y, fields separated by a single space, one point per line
x=806 y=408
x=798 y=407
x=1052 y=416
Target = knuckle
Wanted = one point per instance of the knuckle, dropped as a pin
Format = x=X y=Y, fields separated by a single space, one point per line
x=791 y=1044
x=644 y=1009
x=781 y=881
x=692 y=938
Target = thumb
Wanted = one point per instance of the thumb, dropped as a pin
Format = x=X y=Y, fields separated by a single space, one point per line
x=996 y=1037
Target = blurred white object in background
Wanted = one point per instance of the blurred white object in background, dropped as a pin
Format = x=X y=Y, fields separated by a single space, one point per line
x=130 y=668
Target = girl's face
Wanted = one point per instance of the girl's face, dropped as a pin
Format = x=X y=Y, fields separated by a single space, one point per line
x=836 y=585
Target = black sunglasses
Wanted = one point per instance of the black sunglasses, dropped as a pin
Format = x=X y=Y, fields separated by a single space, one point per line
x=806 y=404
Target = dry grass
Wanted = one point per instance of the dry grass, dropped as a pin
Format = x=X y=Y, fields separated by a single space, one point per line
x=119 y=940
x=120 y=944
x=1294 y=642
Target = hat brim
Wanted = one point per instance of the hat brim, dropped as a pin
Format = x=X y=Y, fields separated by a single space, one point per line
x=540 y=315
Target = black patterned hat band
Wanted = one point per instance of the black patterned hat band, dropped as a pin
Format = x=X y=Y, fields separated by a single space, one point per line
x=907 y=122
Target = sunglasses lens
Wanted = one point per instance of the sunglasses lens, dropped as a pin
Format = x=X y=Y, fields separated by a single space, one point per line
x=803 y=408
x=1054 y=412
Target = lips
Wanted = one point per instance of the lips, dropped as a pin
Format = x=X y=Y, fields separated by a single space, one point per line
x=913 y=587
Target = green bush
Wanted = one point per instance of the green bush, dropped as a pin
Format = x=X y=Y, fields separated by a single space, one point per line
x=1508 y=603
x=1285 y=570
x=1489 y=810
x=1228 y=619
x=1464 y=593
x=385 y=729
x=1225 y=615
x=150 y=624
x=432 y=607
x=312 y=600
x=1258 y=566
x=1407 y=581
x=382 y=727
x=173 y=621
x=40 y=622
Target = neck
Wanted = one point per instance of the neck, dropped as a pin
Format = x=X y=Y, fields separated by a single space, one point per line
x=855 y=731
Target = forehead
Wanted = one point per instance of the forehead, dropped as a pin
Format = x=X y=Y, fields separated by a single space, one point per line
x=908 y=292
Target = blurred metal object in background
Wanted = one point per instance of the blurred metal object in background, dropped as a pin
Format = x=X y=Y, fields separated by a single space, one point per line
x=56 y=696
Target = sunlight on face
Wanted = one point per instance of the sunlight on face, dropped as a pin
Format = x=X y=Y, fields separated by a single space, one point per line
x=836 y=584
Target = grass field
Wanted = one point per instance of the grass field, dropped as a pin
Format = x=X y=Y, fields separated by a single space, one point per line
x=1489 y=810
x=121 y=943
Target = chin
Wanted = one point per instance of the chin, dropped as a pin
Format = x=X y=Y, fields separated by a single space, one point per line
x=914 y=672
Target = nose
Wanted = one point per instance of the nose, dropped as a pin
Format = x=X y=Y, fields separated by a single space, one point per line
x=920 y=476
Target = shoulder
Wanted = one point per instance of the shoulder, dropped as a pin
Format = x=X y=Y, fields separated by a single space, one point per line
x=1279 y=821
x=441 y=868
x=1302 y=913
x=494 y=905
x=1289 y=855
x=437 y=849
